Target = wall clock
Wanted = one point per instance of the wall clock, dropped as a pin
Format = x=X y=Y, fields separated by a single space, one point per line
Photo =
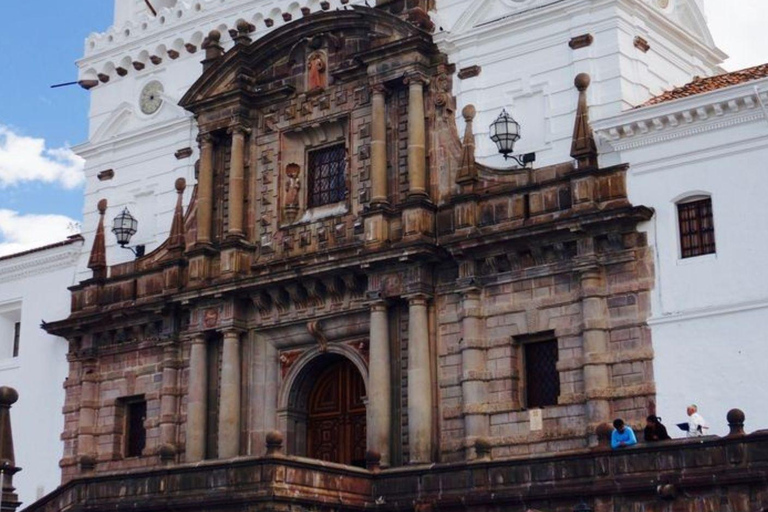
x=151 y=97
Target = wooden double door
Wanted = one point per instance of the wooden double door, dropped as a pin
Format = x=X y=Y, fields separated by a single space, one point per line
x=336 y=422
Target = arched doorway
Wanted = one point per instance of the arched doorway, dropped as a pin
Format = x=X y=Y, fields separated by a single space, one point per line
x=336 y=415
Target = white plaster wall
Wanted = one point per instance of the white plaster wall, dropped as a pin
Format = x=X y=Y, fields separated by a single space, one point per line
x=528 y=67
x=710 y=313
x=37 y=282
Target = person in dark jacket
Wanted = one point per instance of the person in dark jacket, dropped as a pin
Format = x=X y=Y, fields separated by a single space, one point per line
x=654 y=430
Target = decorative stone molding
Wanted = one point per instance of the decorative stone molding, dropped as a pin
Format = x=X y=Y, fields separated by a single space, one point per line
x=469 y=72
x=581 y=41
x=701 y=113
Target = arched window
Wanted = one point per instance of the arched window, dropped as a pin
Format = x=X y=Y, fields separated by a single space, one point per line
x=696 y=226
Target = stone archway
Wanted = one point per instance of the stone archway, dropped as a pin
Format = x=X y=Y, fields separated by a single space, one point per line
x=322 y=407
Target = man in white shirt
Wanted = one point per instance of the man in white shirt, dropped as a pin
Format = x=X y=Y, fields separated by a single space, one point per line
x=696 y=424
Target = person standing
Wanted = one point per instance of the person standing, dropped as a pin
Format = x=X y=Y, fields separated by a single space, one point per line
x=621 y=437
x=696 y=423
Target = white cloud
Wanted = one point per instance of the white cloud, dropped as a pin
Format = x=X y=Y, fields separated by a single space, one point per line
x=27 y=159
x=20 y=232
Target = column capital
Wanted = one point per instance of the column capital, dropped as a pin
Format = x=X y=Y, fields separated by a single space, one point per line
x=232 y=332
x=378 y=88
x=196 y=339
x=416 y=77
x=205 y=139
x=238 y=129
x=379 y=305
x=417 y=298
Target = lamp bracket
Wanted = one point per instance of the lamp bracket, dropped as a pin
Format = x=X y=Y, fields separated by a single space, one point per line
x=137 y=251
x=522 y=160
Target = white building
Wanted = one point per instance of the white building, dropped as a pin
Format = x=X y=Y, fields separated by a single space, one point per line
x=33 y=288
x=692 y=154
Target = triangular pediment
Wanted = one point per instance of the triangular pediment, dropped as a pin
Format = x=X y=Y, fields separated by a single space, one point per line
x=119 y=121
x=688 y=14
x=487 y=11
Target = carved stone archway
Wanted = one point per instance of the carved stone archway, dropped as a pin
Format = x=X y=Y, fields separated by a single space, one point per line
x=298 y=384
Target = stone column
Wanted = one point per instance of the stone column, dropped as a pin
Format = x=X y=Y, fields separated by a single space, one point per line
x=169 y=393
x=417 y=163
x=379 y=383
x=378 y=144
x=205 y=190
x=236 y=181
x=595 y=316
x=197 y=401
x=474 y=388
x=89 y=399
x=229 y=401
x=419 y=382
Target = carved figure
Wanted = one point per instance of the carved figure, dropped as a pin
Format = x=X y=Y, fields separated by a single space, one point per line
x=316 y=77
x=292 y=187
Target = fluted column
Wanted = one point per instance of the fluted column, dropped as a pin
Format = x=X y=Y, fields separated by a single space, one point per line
x=197 y=402
x=419 y=381
x=236 y=182
x=596 y=375
x=205 y=190
x=378 y=144
x=379 y=421
x=417 y=163
x=229 y=401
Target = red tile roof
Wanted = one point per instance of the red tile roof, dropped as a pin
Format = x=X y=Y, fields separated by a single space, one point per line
x=711 y=83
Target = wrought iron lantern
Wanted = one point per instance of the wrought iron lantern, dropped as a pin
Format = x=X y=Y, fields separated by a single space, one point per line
x=124 y=227
x=505 y=131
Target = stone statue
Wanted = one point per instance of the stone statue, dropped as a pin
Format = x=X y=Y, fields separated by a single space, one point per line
x=292 y=187
x=316 y=77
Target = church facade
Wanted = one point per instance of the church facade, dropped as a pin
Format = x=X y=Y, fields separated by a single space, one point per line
x=350 y=308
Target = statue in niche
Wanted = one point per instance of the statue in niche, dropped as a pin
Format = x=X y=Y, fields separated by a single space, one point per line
x=316 y=71
x=292 y=187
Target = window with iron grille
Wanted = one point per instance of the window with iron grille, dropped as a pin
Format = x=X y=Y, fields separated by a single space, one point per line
x=542 y=381
x=697 y=229
x=326 y=177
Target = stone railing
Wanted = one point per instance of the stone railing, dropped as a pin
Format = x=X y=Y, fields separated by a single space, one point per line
x=708 y=473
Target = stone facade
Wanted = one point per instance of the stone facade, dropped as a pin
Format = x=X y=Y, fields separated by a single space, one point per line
x=394 y=253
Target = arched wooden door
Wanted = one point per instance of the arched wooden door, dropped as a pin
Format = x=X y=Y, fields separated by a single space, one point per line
x=336 y=422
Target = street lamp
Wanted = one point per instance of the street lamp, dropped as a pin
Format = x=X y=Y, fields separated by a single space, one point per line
x=505 y=131
x=124 y=227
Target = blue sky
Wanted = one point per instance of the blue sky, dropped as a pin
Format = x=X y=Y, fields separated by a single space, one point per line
x=41 y=179
x=39 y=43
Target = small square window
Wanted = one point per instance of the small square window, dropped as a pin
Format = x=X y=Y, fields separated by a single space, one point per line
x=326 y=177
x=697 y=228
x=135 y=438
x=539 y=364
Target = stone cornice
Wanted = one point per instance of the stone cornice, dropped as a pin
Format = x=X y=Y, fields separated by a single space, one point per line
x=40 y=262
x=89 y=150
x=684 y=117
x=185 y=22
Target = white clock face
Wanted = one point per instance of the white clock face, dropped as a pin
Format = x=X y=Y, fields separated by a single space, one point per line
x=151 y=97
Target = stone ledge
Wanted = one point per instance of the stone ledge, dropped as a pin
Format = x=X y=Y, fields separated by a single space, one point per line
x=627 y=479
